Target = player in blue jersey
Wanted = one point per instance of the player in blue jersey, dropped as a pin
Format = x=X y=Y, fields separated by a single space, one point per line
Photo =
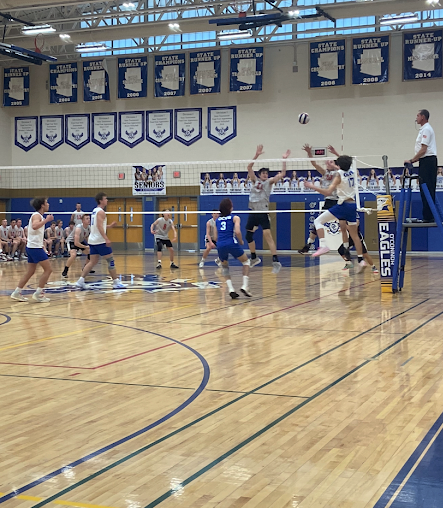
x=229 y=239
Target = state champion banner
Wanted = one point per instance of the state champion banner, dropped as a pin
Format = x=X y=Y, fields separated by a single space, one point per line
x=63 y=83
x=16 y=86
x=422 y=54
x=77 y=130
x=370 y=60
x=52 y=131
x=26 y=132
x=169 y=75
x=205 y=67
x=327 y=60
x=148 y=180
x=132 y=77
x=95 y=81
x=246 y=69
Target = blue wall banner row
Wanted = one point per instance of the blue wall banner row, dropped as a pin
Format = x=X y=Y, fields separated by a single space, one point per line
x=246 y=74
x=133 y=127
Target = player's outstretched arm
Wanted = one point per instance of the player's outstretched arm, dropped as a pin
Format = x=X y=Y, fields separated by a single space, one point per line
x=258 y=152
x=333 y=151
x=282 y=173
x=308 y=149
x=329 y=190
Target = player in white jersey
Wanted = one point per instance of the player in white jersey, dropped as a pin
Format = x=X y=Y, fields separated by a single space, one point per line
x=4 y=241
x=78 y=242
x=259 y=201
x=60 y=236
x=99 y=243
x=160 y=229
x=345 y=210
x=36 y=253
x=51 y=240
x=211 y=234
x=14 y=242
x=21 y=237
x=77 y=214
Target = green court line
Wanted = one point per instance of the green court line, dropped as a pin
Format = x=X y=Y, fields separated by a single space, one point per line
x=215 y=411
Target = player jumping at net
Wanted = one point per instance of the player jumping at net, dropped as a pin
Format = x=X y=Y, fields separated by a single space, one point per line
x=99 y=243
x=346 y=255
x=36 y=253
x=344 y=210
x=210 y=238
x=259 y=201
x=229 y=239
x=160 y=229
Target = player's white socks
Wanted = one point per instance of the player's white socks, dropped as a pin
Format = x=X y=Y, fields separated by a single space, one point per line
x=322 y=242
x=245 y=281
x=38 y=291
x=230 y=286
x=310 y=240
x=346 y=245
x=81 y=280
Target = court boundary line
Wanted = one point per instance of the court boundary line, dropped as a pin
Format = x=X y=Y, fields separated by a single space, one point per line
x=190 y=424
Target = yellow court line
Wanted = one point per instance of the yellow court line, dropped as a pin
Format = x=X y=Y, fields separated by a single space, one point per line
x=88 y=329
x=60 y=501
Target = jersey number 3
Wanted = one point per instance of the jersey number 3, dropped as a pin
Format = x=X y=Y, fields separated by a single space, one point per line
x=223 y=226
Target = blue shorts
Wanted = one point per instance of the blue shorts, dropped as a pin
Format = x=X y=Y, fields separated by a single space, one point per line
x=346 y=211
x=36 y=255
x=101 y=249
x=224 y=250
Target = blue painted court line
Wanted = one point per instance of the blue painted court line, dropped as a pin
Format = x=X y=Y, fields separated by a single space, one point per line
x=197 y=392
x=424 y=487
x=7 y=318
x=211 y=413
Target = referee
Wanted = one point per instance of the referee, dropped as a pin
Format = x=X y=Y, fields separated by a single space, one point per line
x=426 y=155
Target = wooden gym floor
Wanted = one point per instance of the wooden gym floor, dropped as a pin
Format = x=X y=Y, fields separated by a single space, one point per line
x=316 y=392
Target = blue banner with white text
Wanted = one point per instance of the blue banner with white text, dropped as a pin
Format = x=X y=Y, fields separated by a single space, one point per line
x=16 y=86
x=63 y=83
x=327 y=59
x=422 y=54
x=95 y=81
x=370 y=60
x=205 y=67
x=169 y=75
x=246 y=69
x=132 y=77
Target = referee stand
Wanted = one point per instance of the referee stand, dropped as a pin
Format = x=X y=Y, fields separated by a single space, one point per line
x=405 y=223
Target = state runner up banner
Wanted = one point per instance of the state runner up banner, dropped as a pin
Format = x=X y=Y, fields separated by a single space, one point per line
x=149 y=180
x=422 y=54
x=16 y=86
x=327 y=60
x=169 y=75
x=204 y=70
x=132 y=77
x=95 y=81
x=63 y=83
x=246 y=69
x=370 y=60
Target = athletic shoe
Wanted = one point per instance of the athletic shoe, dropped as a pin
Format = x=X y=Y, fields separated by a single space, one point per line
x=347 y=256
x=159 y=265
x=218 y=262
x=276 y=266
x=81 y=285
x=233 y=295
x=320 y=251
x=361 y=266
x=201 y=264
x=374 y=269
x=91 y=271
x=305 y=249
x=65 y=273
x=255 y=262
x=348 y=266
x=41 y=298
x=8 y=258
x=16 y=295
x=16 y=259
x=245 y=291
x=118 y=285
x=173 y=265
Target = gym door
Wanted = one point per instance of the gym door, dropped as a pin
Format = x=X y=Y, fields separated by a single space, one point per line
x=186 y=223
x=128 y=233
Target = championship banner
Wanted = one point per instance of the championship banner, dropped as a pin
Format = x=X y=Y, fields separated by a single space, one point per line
x=159 y=126
x=327 y=60
x=16 y=86
x=386 y=235
x=149 y=180
x=222 y=124
x=188 y=125
x=52 y=131
x=77 y=130
x=132 y=77
x=370 y=60
x=246 y=69
x=205 y=69
x=169 y=75
x=95 y=81
x=131 y=128
x=104 y=129
x=63 y=83
x=26 y=132
x=422 y=54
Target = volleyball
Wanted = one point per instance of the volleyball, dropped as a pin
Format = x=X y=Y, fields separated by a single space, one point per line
x=303 y=118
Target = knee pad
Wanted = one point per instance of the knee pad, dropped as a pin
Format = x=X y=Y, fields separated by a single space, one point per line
x=249 y=236
x=342 y=250
x=111 y=264
x=225 y=271
x=318 y=224
x=247 y=262
x=159 y=245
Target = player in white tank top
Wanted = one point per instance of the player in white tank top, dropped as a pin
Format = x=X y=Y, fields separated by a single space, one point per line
x=35 y=252
x=100 y=244
x=211 y=234
x=345 y=210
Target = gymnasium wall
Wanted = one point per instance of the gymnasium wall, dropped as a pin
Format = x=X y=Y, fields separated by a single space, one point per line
x=379 y=119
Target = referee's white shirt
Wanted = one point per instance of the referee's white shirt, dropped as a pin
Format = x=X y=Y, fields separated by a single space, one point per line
x=426 y=137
